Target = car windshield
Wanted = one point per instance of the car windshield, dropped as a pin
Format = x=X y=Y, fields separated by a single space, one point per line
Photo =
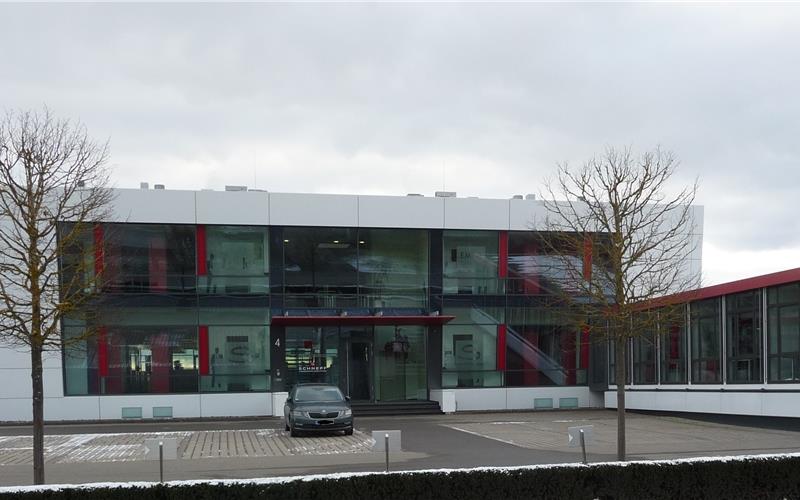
x=318 y=394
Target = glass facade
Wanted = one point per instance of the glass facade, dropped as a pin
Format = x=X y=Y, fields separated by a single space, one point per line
x=544 y=346
x=188 y=309
x=470 y=263
x=706 y=338
x=743 y=337
x=673 y=347
x=783 y=332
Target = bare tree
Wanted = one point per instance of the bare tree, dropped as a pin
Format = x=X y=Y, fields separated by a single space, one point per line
x=630 y=242
x=53 y=188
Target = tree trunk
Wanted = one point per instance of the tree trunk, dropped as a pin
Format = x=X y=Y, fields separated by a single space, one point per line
x=620 y=370
x=38 y=414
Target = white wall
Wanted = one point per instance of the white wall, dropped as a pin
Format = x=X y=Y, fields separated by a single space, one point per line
x=521 y=398
x=714 y=400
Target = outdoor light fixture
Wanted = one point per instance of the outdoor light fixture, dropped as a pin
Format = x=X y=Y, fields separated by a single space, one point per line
x=286 y=241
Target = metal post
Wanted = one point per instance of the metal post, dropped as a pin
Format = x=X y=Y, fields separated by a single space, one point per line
x=161 y=461
x=583 y=447
x=386 y=447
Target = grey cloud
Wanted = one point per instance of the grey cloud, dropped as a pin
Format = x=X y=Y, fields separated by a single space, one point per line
x=375 y=98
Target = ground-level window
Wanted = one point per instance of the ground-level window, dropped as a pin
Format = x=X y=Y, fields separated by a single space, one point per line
x=783 y=328
x=743 y=337
x=706 y=338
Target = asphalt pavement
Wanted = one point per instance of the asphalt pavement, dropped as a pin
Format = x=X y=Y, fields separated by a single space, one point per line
x=227 y=449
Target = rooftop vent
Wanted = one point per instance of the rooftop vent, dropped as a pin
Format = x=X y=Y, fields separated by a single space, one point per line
x=235 y=188
x=516 y=197
x=414 y=194
x=158 y=186
x=530 y=196
x=144 y=185
x=445 y=194
x=81 y=184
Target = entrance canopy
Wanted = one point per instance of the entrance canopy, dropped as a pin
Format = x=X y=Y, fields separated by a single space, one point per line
x=359 y=320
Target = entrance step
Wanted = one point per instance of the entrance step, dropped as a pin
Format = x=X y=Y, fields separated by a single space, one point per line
x=362 y=409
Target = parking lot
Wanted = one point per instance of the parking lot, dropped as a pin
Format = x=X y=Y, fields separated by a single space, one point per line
x=259 y=448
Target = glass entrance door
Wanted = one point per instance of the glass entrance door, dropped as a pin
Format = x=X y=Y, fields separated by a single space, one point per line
x=400 y=363
x=359 y=363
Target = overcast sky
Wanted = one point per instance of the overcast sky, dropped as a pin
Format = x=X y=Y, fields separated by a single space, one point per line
x=484 y=100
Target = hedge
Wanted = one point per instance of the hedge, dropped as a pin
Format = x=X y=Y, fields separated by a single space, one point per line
x=767 y=476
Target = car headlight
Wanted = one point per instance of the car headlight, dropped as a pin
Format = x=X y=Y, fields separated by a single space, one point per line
x=347 y=413
x=298 y=413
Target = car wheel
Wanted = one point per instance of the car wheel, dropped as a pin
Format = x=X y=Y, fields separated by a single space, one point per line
x=348 y=432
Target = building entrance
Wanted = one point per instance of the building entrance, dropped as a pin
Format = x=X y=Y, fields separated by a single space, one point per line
x=370 y=364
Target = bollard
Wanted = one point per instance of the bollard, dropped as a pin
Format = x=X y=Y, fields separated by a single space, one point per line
x=583 y=447
x=161 y=461
x=386 y=447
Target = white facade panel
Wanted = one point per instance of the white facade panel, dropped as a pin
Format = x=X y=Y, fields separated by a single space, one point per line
x=14 y=358
x=16 y=383
x=525 y=215
x=73 y=408
x=745 y=403
x=313 y=210
x=16 y=409
x=475 y=213
x=183 y=405
x=401 y=212
x=522 y=398
x=154 y=205
x=246 y=208
x=236 y=405
x=480 y=399
x=670 y=401
x=780 y=404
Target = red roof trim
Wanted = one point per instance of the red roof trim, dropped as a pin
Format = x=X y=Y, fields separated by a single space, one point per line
x=359 y=320
x=743 y=285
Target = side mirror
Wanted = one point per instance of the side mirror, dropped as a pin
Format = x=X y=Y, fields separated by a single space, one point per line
x=288 y=400
x=347 y=398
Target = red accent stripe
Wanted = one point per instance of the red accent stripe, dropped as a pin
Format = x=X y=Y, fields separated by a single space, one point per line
x=587 y=258
x=99 y=257
x=102 y=351
x=502 y=251
x=584 y=347
x=501 y=347
x=202 y=270
x=359 y=320
x=203 y=350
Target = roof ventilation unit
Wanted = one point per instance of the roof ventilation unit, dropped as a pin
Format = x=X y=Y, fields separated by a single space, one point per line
x=530 y=196
x=516 y=197
x=144 y=185
x=235 y=188
x=445 y=194
x=158 y=186
x=414 y=194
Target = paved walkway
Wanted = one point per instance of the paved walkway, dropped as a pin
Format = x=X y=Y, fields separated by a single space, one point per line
x=125 y=447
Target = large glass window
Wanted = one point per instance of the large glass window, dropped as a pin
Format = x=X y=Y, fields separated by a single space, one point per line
x=644 y=358
x=470 y=262
x=237 y=260
x=783 y=328
x=313 y=355
x=706 y=338
x=146 y=360
x=320 y=267
x=393 y=268
x=149 y=258
x=544 y=347
x=743 y=337
x=469 y=350
x=400 y=372
x=673 y=347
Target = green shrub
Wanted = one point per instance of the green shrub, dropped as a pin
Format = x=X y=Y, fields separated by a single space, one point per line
x=755 y=477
